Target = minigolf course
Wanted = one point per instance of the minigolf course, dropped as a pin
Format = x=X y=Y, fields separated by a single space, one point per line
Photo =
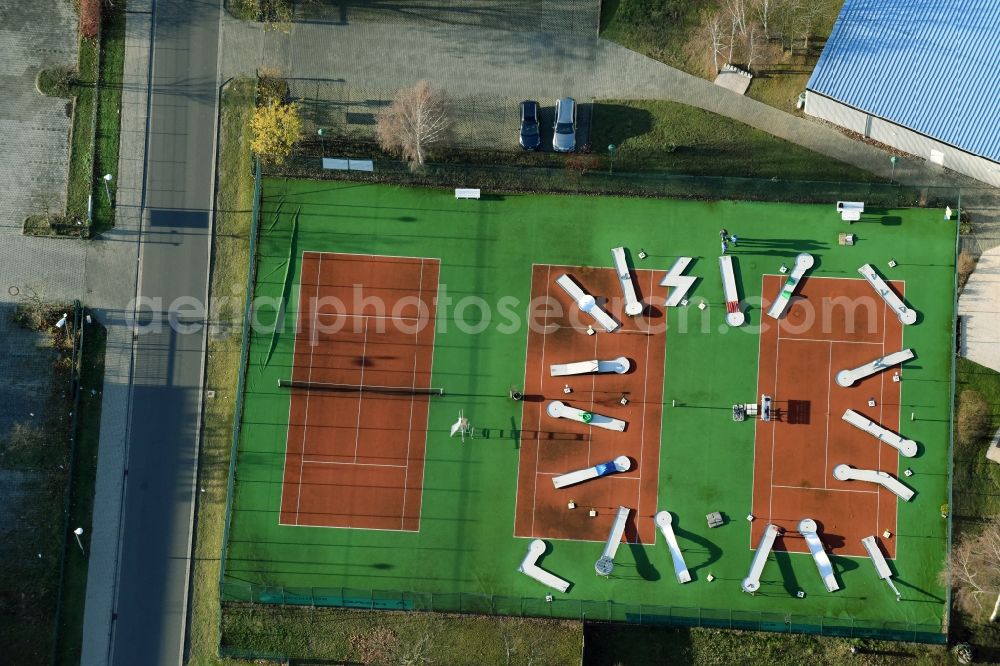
x=905 y=314
x=633 y=306
x=851 y=377
x=808 y=530
x=529 y=567
x=606 y=563
x=616 y=466
x=587 y=303
x=558 y=409
x=803 y=262
x=734 y=316
x=620 y=366
x=906 y=447
x=752 y=582
x=665 y=522
x=890 y=483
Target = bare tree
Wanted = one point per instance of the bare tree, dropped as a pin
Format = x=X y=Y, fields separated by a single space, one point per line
x=751 y=38
x=974 y=569
x=416 y=120
x=763 y=8
x=714 y=30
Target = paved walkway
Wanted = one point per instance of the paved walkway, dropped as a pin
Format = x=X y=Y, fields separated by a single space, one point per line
x=979 y=308
x=112 y=264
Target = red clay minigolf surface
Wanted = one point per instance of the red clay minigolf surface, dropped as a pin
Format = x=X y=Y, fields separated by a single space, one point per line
x=357 y=459
x=550 y=447
x=795 y=454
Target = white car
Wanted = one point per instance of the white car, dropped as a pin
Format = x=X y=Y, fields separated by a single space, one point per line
x=564 y=137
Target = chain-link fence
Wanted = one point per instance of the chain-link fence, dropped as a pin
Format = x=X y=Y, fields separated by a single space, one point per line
x=244 y=355
x=595 y=611
x=590 y=174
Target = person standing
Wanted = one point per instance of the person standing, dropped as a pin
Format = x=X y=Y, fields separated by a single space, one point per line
x=725 y=245
x=734 y=239
x=723 y=234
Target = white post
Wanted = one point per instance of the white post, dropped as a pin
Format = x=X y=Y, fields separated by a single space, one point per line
x=107 y=179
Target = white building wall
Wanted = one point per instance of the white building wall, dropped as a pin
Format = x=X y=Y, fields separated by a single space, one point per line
x=902 y=138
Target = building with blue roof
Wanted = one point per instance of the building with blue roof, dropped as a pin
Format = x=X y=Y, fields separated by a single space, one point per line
x=922 y=77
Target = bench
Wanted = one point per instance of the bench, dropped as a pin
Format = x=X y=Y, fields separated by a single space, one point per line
x=850 y=211
x=466 y=193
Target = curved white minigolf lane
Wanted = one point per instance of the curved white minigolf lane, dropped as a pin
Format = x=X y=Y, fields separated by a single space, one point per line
x=892 y=484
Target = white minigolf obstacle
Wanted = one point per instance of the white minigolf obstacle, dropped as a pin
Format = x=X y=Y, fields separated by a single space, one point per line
x=905 y=314
x=752 y=582
x=878 y=559
x=850 y=377
x=734 y=316
x=558 y=409
x=892 y=484
x=633 y=306
x=808 y=530
x=803 y=262
x=664 y=521
x=678 y=283
x=619 y=365
x=906 y=447
x=529 y=567
x=616 y=466
x=586 y=303
x=606 y=563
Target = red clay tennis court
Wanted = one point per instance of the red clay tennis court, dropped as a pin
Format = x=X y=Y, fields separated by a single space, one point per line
x=360 y=387
x=836 y=324
x=555 y=446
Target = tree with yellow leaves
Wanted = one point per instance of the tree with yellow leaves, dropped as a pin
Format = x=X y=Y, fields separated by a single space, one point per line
x=276 y=129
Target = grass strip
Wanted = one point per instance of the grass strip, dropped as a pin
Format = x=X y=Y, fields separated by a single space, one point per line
x=81 y=503
x=81 y=159
x=109 y=104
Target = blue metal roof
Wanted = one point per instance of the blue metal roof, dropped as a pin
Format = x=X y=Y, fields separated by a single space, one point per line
x=929 y=65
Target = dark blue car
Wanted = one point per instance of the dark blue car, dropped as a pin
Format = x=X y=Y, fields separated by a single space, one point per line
x=531 y=138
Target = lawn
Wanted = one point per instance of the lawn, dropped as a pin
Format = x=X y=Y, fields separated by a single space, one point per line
x=677 y=138
x=674 y=32
x=463 y=556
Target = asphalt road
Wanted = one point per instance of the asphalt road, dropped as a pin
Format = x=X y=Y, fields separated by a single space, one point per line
x=155 y=547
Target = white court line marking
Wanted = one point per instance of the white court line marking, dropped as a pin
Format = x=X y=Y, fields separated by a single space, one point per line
x=541 y=380
x=832 y=490
x=430 y=382
x=413 y=385
x=846 y=342
x=829 y=399
x=642 y=430
x=353 y=464
x=409 y=320
x=305 y=420
x=364 y=355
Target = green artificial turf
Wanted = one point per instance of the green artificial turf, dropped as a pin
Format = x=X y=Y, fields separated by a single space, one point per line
x=464 y=556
